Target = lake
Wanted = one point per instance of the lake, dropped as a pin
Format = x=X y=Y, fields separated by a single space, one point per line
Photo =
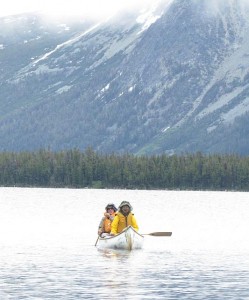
x=47 y=251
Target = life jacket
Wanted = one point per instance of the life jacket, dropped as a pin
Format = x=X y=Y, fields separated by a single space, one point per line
x=124 y=221
x=107 y=223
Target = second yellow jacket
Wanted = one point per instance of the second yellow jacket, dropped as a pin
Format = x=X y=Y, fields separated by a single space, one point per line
x=120 y=222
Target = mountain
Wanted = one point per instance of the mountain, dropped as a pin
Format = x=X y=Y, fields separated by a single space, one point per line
x=172 y=77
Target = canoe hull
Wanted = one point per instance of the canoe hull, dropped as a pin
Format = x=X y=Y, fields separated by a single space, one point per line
x=128 y=239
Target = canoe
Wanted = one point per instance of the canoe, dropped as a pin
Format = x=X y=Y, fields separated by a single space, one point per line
x=128 y=239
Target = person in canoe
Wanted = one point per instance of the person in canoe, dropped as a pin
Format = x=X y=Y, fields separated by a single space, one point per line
x=123 y=218
x=105 y=223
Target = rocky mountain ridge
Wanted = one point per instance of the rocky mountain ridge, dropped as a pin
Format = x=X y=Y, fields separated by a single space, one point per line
x=172 y=78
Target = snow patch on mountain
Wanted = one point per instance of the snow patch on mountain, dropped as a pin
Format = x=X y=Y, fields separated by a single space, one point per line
x=236 y=111
x=231 y=73
x=115 y=45
x=69 y=42
x=34 y=66
x=131 y=88
x=64 y=89
x=106 y=88
x=150 y=16
x=221 y=102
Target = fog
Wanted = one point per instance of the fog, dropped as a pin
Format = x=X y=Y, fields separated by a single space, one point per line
x=94 y=9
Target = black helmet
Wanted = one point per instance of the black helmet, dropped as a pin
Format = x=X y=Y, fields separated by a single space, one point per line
x=111 y=205
x=123 y=203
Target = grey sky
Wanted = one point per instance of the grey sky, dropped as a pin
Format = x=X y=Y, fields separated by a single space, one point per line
x=96 y=8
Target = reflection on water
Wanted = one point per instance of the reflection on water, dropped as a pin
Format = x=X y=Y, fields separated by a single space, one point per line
x=113 y=253
x=47 y=247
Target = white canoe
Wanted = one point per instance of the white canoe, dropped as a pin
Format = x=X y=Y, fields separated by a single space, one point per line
x=128 y=239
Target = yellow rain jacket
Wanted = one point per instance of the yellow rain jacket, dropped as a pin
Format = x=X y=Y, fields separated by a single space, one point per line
x=120 y=222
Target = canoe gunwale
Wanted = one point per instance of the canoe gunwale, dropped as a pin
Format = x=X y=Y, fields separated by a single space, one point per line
x=128 y=239
x=122 y=232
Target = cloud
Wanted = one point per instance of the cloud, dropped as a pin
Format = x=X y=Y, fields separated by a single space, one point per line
x=216 y=5
x=12 y=7
x=90 y=8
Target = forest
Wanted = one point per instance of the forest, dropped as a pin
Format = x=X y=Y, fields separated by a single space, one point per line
x=90 y=169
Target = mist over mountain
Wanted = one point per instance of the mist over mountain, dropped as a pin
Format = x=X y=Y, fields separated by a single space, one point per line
x=170 y=78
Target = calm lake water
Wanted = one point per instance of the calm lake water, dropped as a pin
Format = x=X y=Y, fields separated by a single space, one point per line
x=47 y=250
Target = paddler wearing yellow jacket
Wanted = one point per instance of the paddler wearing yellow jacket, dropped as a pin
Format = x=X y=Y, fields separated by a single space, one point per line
x=105 y=223
x=123 y=218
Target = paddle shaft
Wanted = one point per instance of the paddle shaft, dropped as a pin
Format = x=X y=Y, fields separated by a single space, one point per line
x=160 y=233
x=96 y=241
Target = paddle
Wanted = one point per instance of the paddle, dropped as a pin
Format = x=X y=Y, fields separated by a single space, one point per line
x=96 y=241
x=160 y=233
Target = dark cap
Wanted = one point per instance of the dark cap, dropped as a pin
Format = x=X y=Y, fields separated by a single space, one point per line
x=111 y=205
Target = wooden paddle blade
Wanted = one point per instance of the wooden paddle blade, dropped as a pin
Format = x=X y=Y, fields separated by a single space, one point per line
x=162 y=233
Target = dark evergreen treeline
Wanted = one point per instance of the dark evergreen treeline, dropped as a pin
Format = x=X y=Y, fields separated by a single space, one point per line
x=76 y=169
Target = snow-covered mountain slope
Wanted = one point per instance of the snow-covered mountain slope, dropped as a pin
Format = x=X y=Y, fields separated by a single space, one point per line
x=171 y=77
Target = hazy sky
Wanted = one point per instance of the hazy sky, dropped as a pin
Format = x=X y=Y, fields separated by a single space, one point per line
x=84 y=7
x=69 y=7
